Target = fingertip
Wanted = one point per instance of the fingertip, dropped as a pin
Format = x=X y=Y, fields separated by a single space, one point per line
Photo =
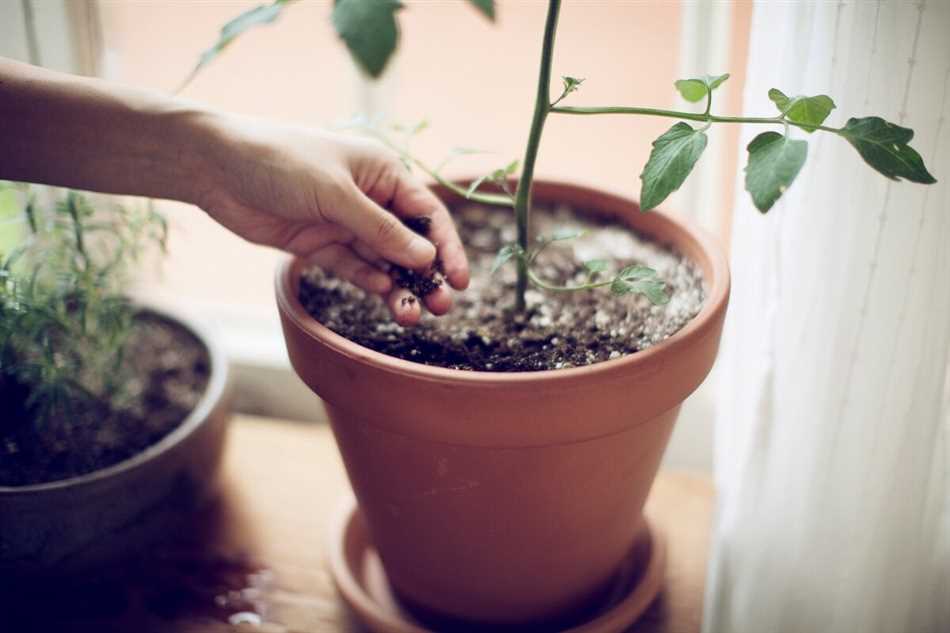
x=456 y=265
x=404 y=307
x=421 y=252
x=459 y=278
x=439 y=301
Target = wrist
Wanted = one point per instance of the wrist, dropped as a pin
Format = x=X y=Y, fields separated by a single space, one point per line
x=196 y=138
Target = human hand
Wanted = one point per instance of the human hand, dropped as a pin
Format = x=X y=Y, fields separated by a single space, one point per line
x=333 y=199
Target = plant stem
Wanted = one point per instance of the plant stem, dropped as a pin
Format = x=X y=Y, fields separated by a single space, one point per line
x=492 y=199
x=540 y=283
x=542 y=106
x=691 y=116
x=72 y=207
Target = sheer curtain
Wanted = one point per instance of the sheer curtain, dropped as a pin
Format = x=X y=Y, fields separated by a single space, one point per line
x=832 y=433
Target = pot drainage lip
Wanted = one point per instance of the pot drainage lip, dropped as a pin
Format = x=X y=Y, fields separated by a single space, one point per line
x=358 y=574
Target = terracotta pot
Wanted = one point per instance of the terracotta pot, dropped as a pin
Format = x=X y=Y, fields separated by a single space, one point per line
x=77 y=524
x=507 y=498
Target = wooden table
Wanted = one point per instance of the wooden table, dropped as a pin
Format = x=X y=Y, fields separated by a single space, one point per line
x=262 y=550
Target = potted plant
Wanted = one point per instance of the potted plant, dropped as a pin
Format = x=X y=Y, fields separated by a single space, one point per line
x=501 y=455
x=113 y=412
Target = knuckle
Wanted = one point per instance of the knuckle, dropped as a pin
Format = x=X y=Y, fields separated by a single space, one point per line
x=338 y=188
x=388 y=231
x=369 y=148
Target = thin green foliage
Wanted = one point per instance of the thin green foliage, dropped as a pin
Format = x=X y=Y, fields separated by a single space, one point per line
x=64 y=313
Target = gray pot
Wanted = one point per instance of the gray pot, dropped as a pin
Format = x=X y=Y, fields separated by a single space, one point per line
x=84 y=522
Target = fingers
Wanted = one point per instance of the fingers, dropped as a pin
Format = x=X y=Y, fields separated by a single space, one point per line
x=379 y=229
x=346 y=264
x=439 y=301
x=413 y=199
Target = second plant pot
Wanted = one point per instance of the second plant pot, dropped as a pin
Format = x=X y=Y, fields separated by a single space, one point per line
x=508 y=498
x=75 y=526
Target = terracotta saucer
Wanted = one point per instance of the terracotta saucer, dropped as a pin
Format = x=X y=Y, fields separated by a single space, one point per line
x=358 y=573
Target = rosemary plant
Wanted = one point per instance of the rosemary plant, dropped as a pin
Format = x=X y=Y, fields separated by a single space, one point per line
x=64 y=314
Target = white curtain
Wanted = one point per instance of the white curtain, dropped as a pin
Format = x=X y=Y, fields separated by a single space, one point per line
x=832 y=433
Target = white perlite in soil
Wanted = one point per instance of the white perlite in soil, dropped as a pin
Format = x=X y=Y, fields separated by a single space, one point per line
x=558 y=330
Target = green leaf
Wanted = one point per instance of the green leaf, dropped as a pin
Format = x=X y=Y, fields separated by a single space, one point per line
x=505 y=253
x=672 y=159
x=884 y=146
x=595 y=266
x=421 y=126
x=808 y=111
x=571 y=84
x=499 y=177
x=369 y=29
x=714 y=81
x=774 y=162
x=692 y=90
x=642 y=280
x=779 y=98
x=696 y=89
x=510 y=168
x=487 y=7
x=634 y=272
x=258 y=16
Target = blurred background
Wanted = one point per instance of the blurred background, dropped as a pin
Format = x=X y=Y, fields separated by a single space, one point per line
x=472 y=80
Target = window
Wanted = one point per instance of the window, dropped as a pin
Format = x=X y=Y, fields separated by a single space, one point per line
x=473 y=81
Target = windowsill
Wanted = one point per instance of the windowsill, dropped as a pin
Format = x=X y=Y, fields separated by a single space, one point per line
x=267 y=531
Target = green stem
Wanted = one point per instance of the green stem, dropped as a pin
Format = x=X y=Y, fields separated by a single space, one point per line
x=30 y=211
x=542 y=106
x=72 y=207
x=689 y=116
x=540 y=283
x=496 y=200
x=492 y=199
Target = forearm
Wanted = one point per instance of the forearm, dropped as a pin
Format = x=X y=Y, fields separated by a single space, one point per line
x=85 y=133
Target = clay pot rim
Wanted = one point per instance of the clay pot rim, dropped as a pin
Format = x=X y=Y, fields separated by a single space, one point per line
x=717 y=293
x=214 y=393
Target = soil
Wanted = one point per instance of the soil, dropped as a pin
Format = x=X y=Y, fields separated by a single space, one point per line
x=170 y=370
x=420 y=283
x=558 y=329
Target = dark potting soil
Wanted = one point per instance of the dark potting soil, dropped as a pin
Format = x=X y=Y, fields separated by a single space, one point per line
x=558 y=329
x=169 y=369
x=421 y=283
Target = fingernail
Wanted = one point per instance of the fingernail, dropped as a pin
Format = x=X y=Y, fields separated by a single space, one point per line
x=421 y=249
